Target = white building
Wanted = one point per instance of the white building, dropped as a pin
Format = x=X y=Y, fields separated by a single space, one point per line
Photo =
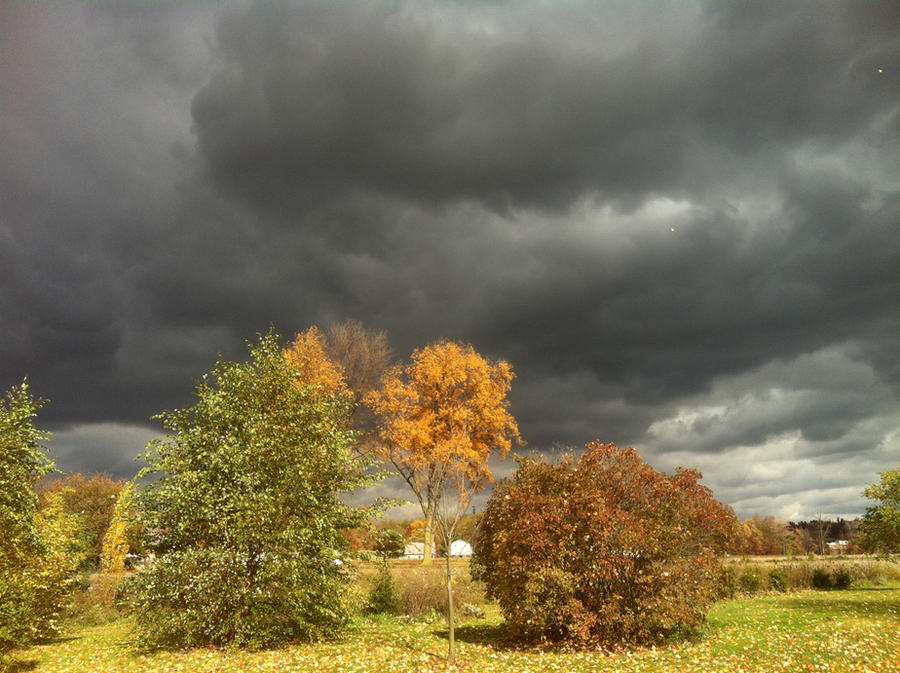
x=460 y=548
x=415 y=550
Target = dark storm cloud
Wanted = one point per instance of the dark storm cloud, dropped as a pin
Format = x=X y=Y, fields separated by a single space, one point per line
x=505 y=109
x=678 y=222
x=327 y=102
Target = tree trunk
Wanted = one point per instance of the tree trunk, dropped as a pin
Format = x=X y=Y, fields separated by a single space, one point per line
x=451 y=656
x=429 y=537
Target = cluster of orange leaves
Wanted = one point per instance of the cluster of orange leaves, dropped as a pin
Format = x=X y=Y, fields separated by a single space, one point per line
x=448 y=406
x=307 y=355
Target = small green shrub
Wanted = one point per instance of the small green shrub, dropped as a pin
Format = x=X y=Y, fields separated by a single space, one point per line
x=821 y=578
x=842 y=578
x=778 y=580
x=803 y=574
x=750 y=582
x=383 y=598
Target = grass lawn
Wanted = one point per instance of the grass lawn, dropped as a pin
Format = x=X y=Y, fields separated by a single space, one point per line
x=855 y=630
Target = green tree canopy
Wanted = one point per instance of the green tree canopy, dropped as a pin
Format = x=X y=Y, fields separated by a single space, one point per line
x=37 y=562
x=23 y=460
x=881 y=523
x=245 y=512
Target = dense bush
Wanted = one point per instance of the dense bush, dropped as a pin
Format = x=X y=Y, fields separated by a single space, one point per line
x=726 y=582
x=831 y=578
x=841 y=578
x=200 y=596
x=245 y=514
x=34 y=594
x=389 y=543
x=750 y=582
x=779 y=580
x=602 y=550
x=821 y=578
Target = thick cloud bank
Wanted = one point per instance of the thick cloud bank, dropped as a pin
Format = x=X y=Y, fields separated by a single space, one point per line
x=678 y=222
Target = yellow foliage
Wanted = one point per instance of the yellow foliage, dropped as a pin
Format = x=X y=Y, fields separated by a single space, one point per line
x=115 y=544
x=415 y=531
x=308 y=357
x=444 y=414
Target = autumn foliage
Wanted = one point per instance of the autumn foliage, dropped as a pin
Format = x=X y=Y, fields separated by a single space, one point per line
x=115 y=540
x=92 y=499
x=307 y=356
x=769 y=536
x=441 y=418
x=603 y=550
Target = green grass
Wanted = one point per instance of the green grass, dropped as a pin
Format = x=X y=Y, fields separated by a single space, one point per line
x=855 y=630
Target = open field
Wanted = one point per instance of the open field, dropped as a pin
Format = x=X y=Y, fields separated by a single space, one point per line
x=836 y=631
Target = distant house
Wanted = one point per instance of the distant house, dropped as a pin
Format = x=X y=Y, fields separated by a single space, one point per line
x=415 y=550
x=460 y=548
x=838 y=547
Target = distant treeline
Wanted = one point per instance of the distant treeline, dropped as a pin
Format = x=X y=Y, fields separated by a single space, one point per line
x=772 y=536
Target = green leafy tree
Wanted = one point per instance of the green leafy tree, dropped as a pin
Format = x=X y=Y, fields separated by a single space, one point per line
x=37 y=561
x=880 y=525
x=245 y=513
x=23 y=461
x=54 y=573
x=389 y=543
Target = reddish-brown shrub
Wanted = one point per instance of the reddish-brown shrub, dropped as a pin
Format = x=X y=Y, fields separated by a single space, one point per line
x=603 y=550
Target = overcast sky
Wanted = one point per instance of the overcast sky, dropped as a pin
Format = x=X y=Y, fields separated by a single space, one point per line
x=678 y=221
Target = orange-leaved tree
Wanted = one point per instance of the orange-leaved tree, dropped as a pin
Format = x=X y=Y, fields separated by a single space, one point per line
x=442 y=416
x=308 y=357
x=440 y=419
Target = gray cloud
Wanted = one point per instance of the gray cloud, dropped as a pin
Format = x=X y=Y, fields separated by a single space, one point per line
x=513 y=110
x=677 y=222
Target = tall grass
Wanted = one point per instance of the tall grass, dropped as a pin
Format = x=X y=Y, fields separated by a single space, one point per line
x=752 y=576
x=96 y=601
x=422 y=590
